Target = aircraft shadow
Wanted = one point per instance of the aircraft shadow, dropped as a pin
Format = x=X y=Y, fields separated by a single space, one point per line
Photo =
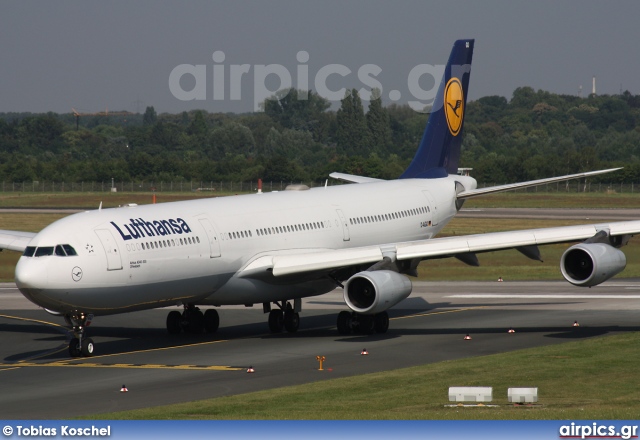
x=121 y=340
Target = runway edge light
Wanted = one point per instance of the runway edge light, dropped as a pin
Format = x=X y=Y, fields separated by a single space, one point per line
x=364 y=352
x=123 y=389
x=575 y=324
x=511 y=330
x=467 y=338
x=251 y=370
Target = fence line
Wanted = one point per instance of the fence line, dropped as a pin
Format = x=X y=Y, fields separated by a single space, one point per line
x=251 y=186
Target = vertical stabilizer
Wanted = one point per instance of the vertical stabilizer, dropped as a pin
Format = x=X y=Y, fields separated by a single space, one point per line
x=439 y=150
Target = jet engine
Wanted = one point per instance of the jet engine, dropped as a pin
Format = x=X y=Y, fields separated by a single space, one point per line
x=589 y=264
x=373 y=292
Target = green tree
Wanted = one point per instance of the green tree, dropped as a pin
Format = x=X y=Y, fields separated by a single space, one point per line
x=232 y=138
x=379 y=126
x=352 y=136
x=150 y=116
x=296 y=109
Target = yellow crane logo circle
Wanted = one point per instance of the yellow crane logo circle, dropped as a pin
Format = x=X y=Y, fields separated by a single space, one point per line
x=454 y=105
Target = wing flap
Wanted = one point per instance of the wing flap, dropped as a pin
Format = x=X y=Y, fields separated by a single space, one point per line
x=310 y=262
x=15 y=240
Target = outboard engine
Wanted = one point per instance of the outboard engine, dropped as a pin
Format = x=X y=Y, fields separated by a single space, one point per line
x=589 y=264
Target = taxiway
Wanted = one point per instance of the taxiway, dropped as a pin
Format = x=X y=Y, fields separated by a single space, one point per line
x=41 y=381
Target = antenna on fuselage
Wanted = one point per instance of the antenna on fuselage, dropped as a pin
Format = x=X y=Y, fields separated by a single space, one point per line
x=100 y=207
x=326 y=182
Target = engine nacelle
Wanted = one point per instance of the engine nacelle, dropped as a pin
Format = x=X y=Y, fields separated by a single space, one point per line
x=589 y=264
x=373 y=292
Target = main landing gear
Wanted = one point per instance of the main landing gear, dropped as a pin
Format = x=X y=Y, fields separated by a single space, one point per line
x=286 y=317
x=349 y=322
x=192 y=320
x=79 y=344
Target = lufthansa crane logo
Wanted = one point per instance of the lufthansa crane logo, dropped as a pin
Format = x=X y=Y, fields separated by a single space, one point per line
x=76 y=274
x=454 y=105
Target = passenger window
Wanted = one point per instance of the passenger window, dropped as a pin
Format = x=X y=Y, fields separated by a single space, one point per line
x=29 y=251
x=60 y=252
x=44 y=251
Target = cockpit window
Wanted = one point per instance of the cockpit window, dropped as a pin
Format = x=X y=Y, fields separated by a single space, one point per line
x=71 y=252
x=61 y=250
x=44 y=251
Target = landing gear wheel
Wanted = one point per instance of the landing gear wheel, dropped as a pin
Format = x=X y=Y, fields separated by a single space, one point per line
x=365 y=324
x=174 y=320
x=381 y=322
x=291 y=321
x=211 y=321
x=74 y=347
x=195 y=321
x=79 y=345
x=276 y=321
x=344 y=323
x=87 y=347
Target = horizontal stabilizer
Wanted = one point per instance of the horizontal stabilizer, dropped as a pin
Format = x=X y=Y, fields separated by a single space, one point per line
x=510 y=186
x=354 y=179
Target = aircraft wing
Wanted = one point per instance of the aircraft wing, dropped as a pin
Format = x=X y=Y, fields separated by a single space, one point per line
x=323 y=260
x=15 y=240
x=510 y=186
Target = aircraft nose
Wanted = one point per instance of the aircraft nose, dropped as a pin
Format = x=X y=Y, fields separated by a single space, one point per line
x=28 y=276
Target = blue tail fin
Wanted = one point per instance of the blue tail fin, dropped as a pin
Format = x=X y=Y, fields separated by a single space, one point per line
x=439 y=150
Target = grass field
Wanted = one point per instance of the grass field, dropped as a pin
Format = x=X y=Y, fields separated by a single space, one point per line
x=589 y=379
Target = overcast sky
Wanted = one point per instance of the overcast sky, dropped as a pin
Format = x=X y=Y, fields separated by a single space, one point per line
x=120 y=54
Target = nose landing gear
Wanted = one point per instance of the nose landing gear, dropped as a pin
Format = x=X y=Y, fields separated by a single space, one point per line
x=79 y=344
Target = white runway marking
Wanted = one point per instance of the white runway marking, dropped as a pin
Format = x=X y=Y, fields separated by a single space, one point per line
x=556 y=296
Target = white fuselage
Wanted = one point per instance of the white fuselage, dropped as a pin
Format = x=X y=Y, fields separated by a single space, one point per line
x=140 y=257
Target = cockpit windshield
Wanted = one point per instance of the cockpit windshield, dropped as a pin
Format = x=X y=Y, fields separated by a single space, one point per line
x=61 y=250
x=43 y=251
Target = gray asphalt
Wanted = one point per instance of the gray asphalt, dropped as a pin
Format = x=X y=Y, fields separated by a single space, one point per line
x=40 y=381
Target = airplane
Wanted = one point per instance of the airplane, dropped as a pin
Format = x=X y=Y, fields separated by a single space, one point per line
x=276 y=248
